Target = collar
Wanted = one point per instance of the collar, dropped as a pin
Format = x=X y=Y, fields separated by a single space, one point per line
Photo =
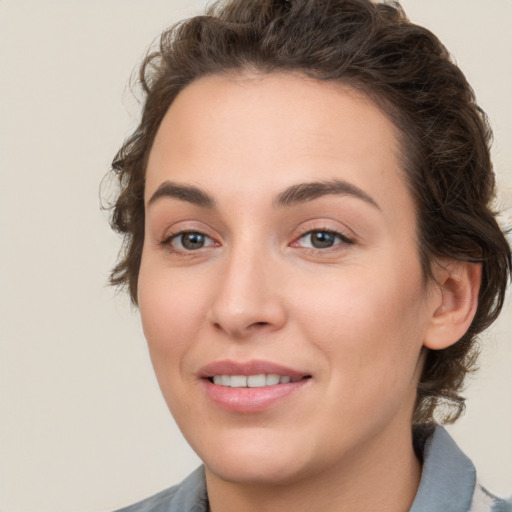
x=448 y=477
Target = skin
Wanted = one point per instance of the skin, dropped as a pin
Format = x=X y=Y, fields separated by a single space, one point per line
x=355 y=316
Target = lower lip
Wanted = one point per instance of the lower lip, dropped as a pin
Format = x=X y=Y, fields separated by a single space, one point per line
x=248 y=400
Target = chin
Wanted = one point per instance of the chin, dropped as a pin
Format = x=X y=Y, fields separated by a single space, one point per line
x=260 y=471
x=255 y=460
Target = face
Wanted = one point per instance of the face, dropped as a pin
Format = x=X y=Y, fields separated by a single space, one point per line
x=280 y=288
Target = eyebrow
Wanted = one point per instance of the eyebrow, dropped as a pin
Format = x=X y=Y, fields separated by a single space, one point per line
x=188 y=193
x=292 y=196
x=304 y=192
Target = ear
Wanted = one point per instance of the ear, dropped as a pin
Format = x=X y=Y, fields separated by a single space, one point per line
x=455 y=300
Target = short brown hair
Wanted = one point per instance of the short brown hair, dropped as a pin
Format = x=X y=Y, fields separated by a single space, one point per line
x=404 y=68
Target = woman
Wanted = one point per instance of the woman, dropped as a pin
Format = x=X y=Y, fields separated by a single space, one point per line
x=309 y=235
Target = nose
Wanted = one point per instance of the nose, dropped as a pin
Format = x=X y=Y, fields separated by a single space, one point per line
x=249 y=298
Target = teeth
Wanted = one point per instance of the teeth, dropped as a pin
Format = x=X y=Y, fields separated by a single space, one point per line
x=273 y=379
x=238 y=381
x=252 y=381
x=256 y=381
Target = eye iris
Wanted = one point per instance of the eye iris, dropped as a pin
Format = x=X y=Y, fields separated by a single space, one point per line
x=192 y=240
x=322 y=239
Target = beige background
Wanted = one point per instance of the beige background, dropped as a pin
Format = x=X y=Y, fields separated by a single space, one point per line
x=82 y=423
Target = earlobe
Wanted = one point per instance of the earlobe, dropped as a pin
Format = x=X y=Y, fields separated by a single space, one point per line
x=457 y=284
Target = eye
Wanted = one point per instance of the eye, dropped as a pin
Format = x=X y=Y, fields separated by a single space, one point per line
x=322 y=239
x=188 y=241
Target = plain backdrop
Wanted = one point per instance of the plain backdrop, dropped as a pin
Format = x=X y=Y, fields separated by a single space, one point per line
x=82 y=424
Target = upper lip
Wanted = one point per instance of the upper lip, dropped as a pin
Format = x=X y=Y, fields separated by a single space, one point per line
x=254 y=367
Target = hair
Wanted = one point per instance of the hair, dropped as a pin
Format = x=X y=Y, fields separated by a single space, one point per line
x=373 y=47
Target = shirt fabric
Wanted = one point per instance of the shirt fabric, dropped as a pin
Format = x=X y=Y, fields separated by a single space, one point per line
x=448 y=484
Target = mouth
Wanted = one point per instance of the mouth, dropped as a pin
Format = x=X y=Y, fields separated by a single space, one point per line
x=250 y=387
x=253 y=381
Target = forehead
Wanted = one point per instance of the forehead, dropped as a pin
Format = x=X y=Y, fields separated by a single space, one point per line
x=264 y=132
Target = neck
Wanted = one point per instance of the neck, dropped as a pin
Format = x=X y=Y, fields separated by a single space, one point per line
x=384 y=475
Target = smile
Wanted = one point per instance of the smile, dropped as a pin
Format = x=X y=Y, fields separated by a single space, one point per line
x=251 y=386
x=252 y=381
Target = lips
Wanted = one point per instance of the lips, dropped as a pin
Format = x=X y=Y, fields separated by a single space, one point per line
x=250 y=387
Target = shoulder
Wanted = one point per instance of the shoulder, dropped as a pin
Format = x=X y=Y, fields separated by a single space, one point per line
x=484 y=501
x=189 y=496
x=448 y=481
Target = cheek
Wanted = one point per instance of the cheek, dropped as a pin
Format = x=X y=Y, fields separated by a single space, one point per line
x=368 y=323
x=171 y=317
x=170 y=310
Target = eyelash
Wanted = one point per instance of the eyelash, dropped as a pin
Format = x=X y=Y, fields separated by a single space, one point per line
x=342 y=239
x=166 y=242
x=169 y=238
